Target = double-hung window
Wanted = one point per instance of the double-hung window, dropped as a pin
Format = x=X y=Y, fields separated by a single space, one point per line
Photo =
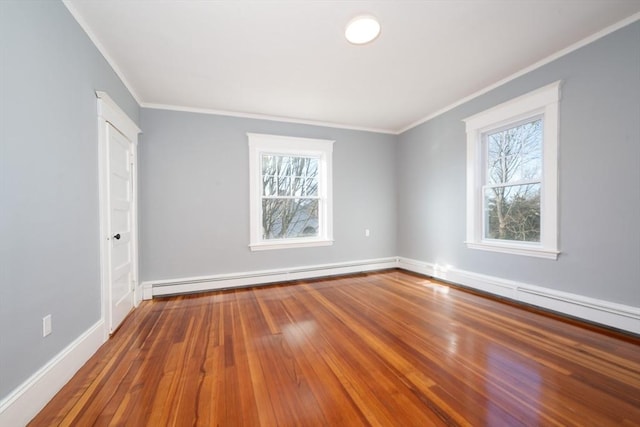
x=512 y=175
x=290 y=192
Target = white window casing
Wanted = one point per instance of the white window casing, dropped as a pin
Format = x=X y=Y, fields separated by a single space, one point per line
x=543 y=103
x=263 y=144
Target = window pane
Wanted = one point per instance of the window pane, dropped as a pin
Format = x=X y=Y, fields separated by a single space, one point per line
x=311 y=187
x=284 y=186
x=289 y=218
x=269 y=187
x=269 y=166
x=284 y=165
x=297 y=186
x=305 y=187
x=512 y=213
x=515 y=154
x=311 y=170
x=299 y=166
x=269 y=170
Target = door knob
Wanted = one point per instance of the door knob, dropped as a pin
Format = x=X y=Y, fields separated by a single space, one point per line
x=117 y=236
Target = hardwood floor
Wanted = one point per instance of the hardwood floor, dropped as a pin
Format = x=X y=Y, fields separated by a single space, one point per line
x=388 y=349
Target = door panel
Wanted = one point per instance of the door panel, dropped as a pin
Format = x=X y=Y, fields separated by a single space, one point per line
x=120 y=190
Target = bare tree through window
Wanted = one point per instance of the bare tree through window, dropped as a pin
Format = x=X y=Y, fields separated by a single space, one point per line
x=513 y=182
x=290 y=198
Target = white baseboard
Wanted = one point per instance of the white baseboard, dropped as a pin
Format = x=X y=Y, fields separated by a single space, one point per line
x=619 y=316
x=623 y=317
x=30 y=397
x=154 y=288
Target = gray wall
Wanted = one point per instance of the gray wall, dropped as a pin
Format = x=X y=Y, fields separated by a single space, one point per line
x=194 y=185
x=599 y=180
x=49 y=253
x=194 y=197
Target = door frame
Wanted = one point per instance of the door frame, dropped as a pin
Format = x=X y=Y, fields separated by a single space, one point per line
x=110 y=113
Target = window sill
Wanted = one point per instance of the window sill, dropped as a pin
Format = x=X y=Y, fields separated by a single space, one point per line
x=515 y=250
x=288 y=244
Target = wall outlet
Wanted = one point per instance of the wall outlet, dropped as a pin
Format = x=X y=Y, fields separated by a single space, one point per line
x=367 y=233
x=46 y=325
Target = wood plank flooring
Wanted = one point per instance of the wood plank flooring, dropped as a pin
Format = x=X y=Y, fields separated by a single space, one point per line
x=382 y=349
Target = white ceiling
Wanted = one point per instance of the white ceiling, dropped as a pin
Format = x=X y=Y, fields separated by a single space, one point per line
x=289 y=59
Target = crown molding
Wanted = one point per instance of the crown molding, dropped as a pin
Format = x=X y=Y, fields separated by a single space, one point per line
x=263 y=117
x=103 y=51
x=590 y=39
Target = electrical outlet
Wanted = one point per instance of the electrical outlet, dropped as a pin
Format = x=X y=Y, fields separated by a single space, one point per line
x=46 y=325
x=367 y=233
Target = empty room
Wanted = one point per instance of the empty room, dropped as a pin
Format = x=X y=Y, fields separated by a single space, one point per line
x=319 y=213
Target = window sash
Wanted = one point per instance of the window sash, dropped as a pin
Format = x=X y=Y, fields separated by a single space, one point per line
x=529 y=236
x=486 y=157
x=292 y=197
x=292 y=179
x=303 y=222
x=512 y=184
x=521 y=221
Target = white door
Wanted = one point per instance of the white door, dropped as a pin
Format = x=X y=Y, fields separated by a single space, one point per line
x=120 y=206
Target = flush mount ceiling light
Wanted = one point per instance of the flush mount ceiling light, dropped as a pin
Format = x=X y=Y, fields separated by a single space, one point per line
x=362 y=29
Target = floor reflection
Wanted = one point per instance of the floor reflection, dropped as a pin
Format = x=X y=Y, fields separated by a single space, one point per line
x=299 y=332
x=512 y=383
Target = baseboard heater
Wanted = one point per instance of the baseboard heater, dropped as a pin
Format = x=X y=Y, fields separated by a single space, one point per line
x=232 y=280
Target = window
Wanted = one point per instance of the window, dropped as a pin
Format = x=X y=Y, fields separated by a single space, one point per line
x=512 y=176
x=290 y=192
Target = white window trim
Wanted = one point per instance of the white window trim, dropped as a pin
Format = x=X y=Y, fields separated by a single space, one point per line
x=276 y=144
x=543 y=101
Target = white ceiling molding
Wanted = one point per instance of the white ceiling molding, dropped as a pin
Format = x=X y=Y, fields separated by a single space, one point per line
x=87 y=29
x=264 y=117
x=256 y=60
x=630 y=20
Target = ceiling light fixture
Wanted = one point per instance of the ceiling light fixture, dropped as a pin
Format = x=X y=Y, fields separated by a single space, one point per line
x=362 y=29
